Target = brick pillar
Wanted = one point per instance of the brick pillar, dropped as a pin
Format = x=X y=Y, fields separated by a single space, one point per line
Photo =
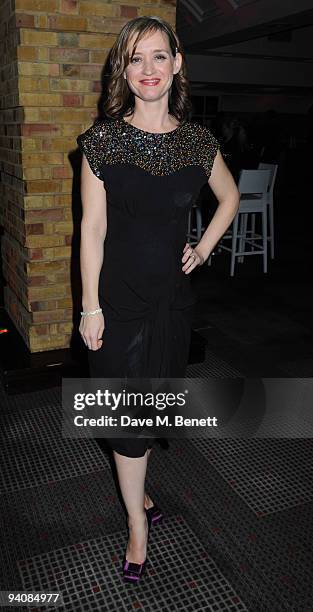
x=52 y=55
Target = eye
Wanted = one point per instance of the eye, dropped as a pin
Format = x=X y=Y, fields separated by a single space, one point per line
x=136 y=60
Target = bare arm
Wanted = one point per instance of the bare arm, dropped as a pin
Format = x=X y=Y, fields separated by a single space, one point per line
x=227 y=194
x=93 y=233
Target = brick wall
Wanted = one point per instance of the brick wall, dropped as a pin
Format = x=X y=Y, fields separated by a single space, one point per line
x=52 y=54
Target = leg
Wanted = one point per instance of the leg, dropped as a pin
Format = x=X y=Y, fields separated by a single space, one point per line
x=148 y=500
x=131 y=475
x=271 y=220
x=234 y=244
x=264 y=233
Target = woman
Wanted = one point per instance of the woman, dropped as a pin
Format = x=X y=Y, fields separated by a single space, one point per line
x=142 y=169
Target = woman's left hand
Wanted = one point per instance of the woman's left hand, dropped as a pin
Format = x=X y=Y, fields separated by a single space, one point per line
x=191 y=259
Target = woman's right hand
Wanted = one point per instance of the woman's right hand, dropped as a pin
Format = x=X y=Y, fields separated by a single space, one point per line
x=91 y=329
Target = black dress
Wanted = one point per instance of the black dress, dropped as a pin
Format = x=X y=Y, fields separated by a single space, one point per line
x=151 y=182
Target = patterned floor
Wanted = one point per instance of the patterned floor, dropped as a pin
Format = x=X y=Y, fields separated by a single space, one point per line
x=238 y=528
x=235 y=537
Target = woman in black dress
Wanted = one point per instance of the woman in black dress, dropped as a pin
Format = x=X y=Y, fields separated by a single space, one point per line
x=143 y=167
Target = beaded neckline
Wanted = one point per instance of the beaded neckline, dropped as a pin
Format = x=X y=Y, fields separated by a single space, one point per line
x=116 y=142
x=123 y=122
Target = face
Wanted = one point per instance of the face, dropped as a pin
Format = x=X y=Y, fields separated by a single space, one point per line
x=150 y=71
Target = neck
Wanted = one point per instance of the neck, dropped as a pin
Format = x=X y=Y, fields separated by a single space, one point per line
x=156 y=119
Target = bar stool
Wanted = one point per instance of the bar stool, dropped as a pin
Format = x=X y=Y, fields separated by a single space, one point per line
x=253 y=185
x=270 y=206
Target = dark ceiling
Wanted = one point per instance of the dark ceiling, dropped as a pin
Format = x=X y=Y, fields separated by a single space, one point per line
x=273 y=31
x=208 y=24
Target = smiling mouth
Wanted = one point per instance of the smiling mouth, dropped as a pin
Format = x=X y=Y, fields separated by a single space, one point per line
x=150 y=81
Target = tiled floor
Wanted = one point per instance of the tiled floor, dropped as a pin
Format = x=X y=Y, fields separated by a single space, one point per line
x=238 y=529
x=235 y=537
x=180 y=574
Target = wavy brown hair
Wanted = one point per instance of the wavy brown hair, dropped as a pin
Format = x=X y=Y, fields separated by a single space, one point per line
x=120 y=100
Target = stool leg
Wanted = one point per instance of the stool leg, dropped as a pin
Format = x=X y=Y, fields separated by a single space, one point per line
x=198 y=223
x=252 y=229
x=264 y=234
x=234 y=244
x=240 y=247
x=271 y=228
x=243 y=232
x=189 y=222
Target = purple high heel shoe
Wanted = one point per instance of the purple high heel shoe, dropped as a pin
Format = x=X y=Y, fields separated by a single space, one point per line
x=154 y=514
x=132 y=572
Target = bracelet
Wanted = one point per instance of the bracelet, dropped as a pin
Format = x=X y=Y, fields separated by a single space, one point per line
x=91 y=312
